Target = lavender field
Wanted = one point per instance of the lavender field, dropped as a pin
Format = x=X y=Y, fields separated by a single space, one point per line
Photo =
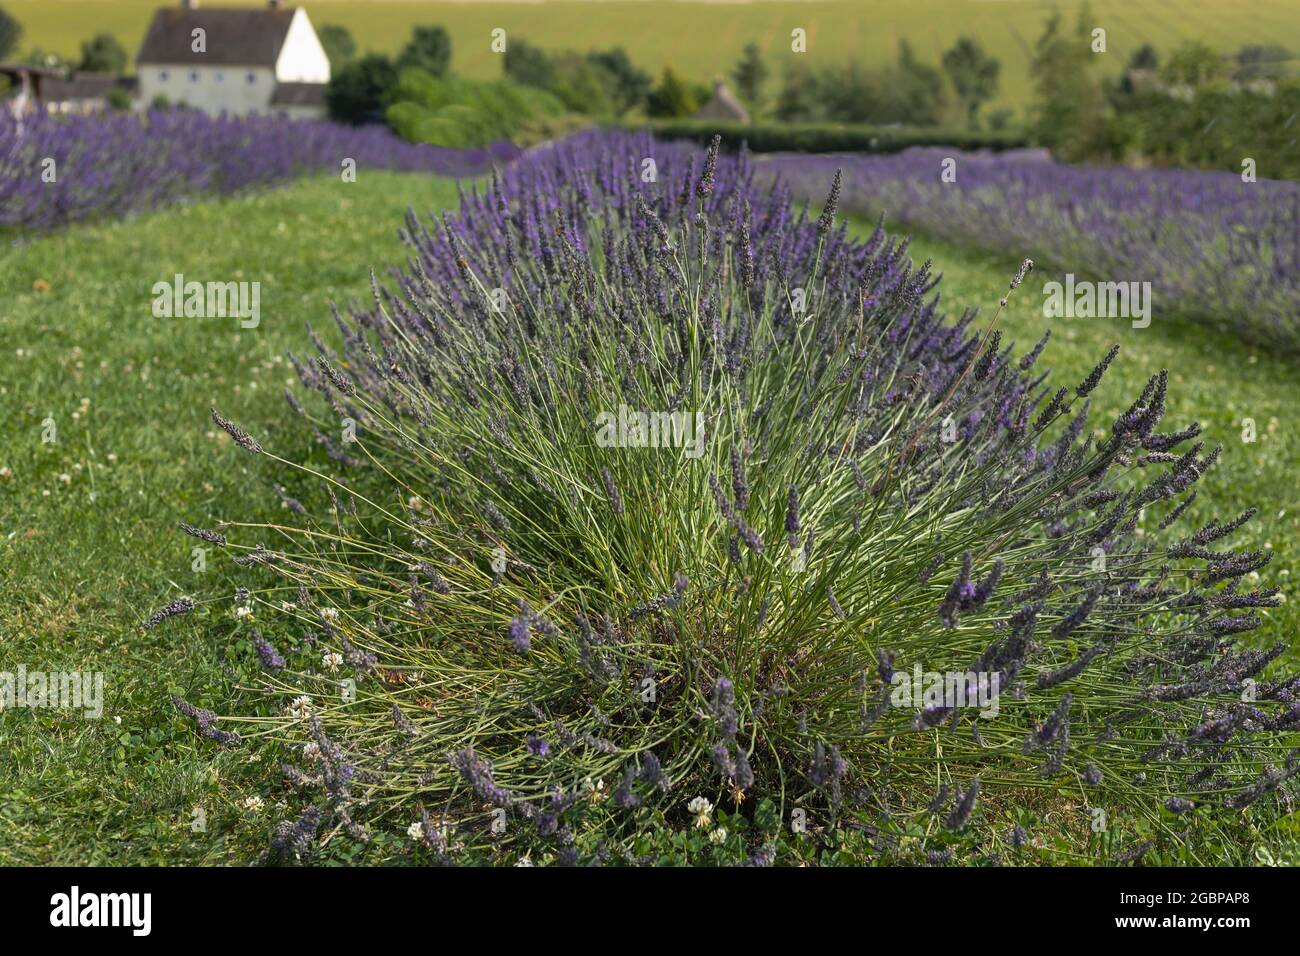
x=56 y=170
x=600 y=517
x=1215 y=249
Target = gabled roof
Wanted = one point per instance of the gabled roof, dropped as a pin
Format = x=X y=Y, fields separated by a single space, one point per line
x=298 y=94
x=252 y=37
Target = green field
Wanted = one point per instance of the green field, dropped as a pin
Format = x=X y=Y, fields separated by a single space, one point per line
x=88 y=540
x=653 y=30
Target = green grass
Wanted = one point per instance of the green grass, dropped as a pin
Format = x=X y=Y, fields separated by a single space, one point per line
x=84 y=560
x=652 y=30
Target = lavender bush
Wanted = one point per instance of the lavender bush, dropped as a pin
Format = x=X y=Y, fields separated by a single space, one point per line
x=499 y=619
x=1214 y=248
x=111 y=164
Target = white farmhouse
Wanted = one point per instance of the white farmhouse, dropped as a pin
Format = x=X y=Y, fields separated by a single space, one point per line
x=237 y=61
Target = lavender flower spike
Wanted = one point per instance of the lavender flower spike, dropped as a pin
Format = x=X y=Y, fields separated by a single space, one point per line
x=241 y=437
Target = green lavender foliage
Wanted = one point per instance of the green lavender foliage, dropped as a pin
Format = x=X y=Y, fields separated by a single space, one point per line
x=501 y=619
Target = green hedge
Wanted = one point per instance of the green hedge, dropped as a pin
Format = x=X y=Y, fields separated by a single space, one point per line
x=828 y=138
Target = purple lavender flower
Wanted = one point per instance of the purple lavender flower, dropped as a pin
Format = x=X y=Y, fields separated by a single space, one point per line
x=179 y=606
x=266 y=653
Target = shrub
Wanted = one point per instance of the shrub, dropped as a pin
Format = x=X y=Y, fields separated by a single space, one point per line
x=554 y=633
x=833 y=138
x=359 y=92
x=458 y=113
x=597 y=83
x=102 y=54
x=672 y=97
x=909 y=92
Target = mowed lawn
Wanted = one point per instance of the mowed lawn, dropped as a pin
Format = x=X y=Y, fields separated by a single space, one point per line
x=653 y=31
x=88 y=539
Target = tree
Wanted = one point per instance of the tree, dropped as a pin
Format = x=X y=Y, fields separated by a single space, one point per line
x=102 y=54
x=582 y=85
x=529 y=65
x=750 y=75
x=359 y=92
x=915 y=93
x=671 y=98
x=11 y=32
x=799 y=101
x=429 y=49
x=974 y=76
x=629 y=86
x=1069 y=115
x=338 y=43
x=1193 y=64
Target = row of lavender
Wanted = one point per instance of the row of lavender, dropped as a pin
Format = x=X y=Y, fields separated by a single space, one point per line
x=57 y=170
x=571 y=628
x=1213 y=247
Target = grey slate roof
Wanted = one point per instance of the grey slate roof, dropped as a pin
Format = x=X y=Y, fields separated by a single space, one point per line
x=299 y=94
x=80 y=86
x=252 y=37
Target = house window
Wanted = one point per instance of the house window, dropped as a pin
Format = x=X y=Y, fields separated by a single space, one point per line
x=163 y=76
x=220 y=77
x=252 y=78
x=194 y=76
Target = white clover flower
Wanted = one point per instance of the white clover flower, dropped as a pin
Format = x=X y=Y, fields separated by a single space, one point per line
x=415 y=831
x=254 y=804
x=331 y=660
x=524 y=861
x=288 y=606
x=329 y=614
x=311 y=751
x=718 y=836
x=703 y=811
x=243 y=612
x=300 y=707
